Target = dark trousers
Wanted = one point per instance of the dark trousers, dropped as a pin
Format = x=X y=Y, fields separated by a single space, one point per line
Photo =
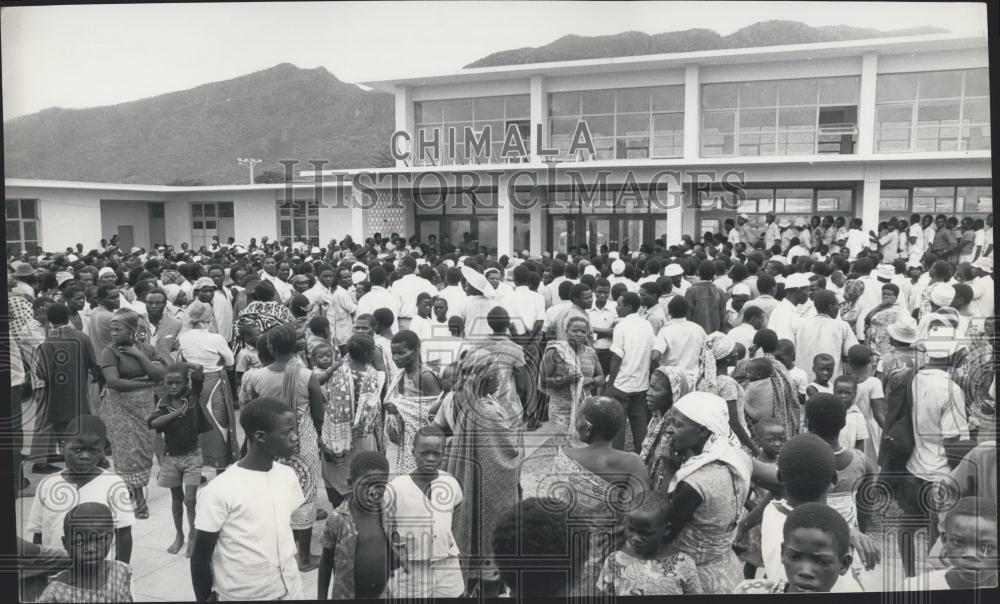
x=634 y=406
x=604 y=358
x=913 y=494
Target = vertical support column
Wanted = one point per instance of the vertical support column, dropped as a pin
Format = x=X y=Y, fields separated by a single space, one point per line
x=505 y=220
x=537 y=243
x=404 y=115
x=692 y=113
x=357 y=217
x=866 y=105
x=675 y=211
x=870 y=194
x=537 y=106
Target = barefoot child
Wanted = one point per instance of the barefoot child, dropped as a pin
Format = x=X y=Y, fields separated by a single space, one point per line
x=421 y=531
x=180 y=419
x=785 y=354
x=770 y=433
x=89 y=483
x=854 y=435
x=823 y=365
x=870 y=399
x=324 y=360
x=815 y=553
x=88 y=530
x=970 y=549
x=357 y=553
x=643 y=566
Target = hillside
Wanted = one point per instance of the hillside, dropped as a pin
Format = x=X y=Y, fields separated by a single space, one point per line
x=196 y=135
x=632 y=43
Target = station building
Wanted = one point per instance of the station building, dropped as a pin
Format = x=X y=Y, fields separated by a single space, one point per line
x=670 y=144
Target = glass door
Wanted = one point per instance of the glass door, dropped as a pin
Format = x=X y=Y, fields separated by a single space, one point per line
x=427 y=227
x=631 y=233
x=598 y=233
x=564 y=231
x=486 y=232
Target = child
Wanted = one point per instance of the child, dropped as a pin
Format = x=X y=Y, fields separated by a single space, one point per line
x=770 y=433
x=815 y=553
x=785 y=354
x=422 y=533
x=318 y=333
x=92 y=577
x=855 y=432
x=243 y=547
x=870 y=399
x=970 y=549
x=643 y=567
x=823 y=365
x=89 y=483
x=440 y=310
x=324 y=360
x=180 y=418
x=753 y=321
x=355 y=544
x=247 y=358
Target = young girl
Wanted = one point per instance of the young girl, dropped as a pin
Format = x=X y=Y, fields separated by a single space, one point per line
x=770 y=433
x=643 y=566
x=855 y=432
x=870 y=399
x=88 y=530
x=823 y=365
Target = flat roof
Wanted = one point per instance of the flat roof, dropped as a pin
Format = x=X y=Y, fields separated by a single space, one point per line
x=107 y=186
x=892 y=45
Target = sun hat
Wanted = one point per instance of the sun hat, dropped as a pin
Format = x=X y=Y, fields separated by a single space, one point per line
x=478 y=281
x=202 y=283
x=943 y=295
x=903 y=329
x=784 y=223
x=63 y=277
x=885 y=271
x=23 y=269
x=741 y=289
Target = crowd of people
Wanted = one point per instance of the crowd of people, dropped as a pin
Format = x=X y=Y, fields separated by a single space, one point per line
x=735 y=414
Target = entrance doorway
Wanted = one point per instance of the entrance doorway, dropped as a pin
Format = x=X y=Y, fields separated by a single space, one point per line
x=571 y=231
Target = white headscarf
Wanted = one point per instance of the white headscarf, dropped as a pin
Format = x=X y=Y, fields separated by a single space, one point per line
x=710 y=411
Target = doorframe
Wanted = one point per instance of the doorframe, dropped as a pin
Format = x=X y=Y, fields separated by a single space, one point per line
x=614 y=236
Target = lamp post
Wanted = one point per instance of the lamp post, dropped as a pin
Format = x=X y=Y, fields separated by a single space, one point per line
x=250 y=162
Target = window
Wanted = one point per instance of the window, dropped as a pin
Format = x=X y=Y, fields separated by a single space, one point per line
x=620 y=219
x=630 y=123
x=786 y=202
x=299 y=219
x=434 y=119
x=211 y=219
x=932 y=111
x=902 y=201
x=779 y=117
x=22 y=226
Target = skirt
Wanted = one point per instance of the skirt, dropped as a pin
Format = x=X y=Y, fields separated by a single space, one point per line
x=125 y=413
x=306 y=464
x=218 y=446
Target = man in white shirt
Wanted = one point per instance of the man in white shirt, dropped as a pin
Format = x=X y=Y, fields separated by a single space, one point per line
x=982 y=288
x=785 y=315
x=680 y=341
x=332 y=291
x=617 y=276
x=856 y=239
x=602 y=317
x=772 y=232
x=823 y=334
x=453 y=292
x=870 y=297
x=631 y=344
x=407 y=287
x=888 y=244
x=676 y=273
x=270 y=273
x=525 y=307
x=222 y=303
x=379 y=297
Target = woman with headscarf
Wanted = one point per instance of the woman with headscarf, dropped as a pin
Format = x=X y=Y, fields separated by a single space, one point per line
x=707 y=487
x=131 y=370
x=287 y=380
x=878 y=320
x=410 y=400
x=264 y=311
x=176 y=302
x=484 y=455
x=667 y=385
x=209 y=350
x=849 y=309
x=717 y=354
x=598 y=484
x=569 y=372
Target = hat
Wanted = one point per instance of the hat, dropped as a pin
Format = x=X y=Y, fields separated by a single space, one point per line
x=800 y=222
x=72 y=258
x=23 y=269
x=984 y=264
x=63 y=277
x=673 y=270
x=315 y=250
x=203 y=282
x=885 y=271
x=449 y=263
x=744 y=216
x=359 y=265
x=358 y=277
x=941 y=341
x=613 y=255
x=492 y=269
x=904 y=329
x=107 y=270
x=796 y=280
x=784 y=223
x=199 y=312
x=478 y=281
x=943 y=295
x=741 y=289
x=617 y=267
x=914 y=264
x=591 y=270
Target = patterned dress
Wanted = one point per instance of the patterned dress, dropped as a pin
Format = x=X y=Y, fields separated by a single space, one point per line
x=414 y=413
x=626 y=575
x=117 y=588
x=761 y=586
x=344 y=392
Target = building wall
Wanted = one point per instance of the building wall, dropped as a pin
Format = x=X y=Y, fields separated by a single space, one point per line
x=116 y=213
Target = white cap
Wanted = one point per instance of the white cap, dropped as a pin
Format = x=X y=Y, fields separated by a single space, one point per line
x=358 y=277
x=943 y=295
x=107 y=270
x=784 y=223
x=617 y=267
x=796 y=280
x=741 y=289
x=885 y=271
x=591 y=270
x=315 y=250
x=673 y=270
x=613 y=255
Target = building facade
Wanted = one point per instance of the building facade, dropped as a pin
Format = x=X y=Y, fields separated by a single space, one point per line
x=669 y=144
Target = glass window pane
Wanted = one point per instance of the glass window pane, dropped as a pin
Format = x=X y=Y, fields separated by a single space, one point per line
x=757 y=200
x=226 y=209
x=976 y=112
x=457 y=110
x=285 y=228
x=601 y=126
x=896 y=87
x=428 y=112
x=668 y=122
x=933 y=199
x=30 y=228
x=977 y=82
x=724 y=121
x=757 y=118
x=633 y=125
x=633 y=100
x=197 y=225
x=564 y=103
x=891 y=200
x=489 y=107
x=210 y=225
x=938 y=112
x=209 y=209
x=598 y=102
x=668 y=98
x=975 y=199
x=28 y=209
x=13 y=230
x=798 y=116
x=837 y=91
x=518 y=106
x=563 y=126
x=797 y=92
x=196 y=210
x=793 y=200
x=834 y=200
x=940 y=84
x=718 y=96
x=313 y=228
x=758 y=94
x=13 y=208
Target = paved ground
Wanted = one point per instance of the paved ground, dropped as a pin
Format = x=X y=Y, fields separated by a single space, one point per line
x=159 y=576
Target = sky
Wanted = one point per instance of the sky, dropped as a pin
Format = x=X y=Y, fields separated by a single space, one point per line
x=88 y=56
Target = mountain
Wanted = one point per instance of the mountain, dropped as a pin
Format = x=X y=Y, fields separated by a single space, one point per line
x=632 y=43
x=195 y=135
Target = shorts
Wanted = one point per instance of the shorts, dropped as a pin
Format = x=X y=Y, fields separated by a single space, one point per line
x=183 y=470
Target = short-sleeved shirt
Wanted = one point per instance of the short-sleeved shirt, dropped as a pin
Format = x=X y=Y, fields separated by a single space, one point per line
x=680 y=342
x=181 y=434
x=254 y=557
x=424 y=524
x=55 y=496
x=341 y=535
x=938 y=413
x=855 y=429
x=128 y=366
x=632 y=340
